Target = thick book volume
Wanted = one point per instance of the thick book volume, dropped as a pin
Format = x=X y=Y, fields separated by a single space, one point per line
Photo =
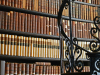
x=7 y=66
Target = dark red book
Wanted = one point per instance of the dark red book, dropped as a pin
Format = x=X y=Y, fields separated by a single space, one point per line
x=22 y=21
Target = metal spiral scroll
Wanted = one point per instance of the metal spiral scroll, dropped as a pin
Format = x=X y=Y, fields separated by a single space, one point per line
x=77 y=63
x=94 y=44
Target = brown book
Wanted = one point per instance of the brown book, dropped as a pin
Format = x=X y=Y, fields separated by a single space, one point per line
x=5 y=19
x=18 y=6
x=47 y=69
x=53 y=26
x=79 y=11
x=29 y=4
x=27 y=69
x=11 y=20
x=50 y=26
x=12 y=3
x=33 y=70
x=33 y=24
x=19 y=68
x=31 y=18
x=11 y=70
x=23 y=69
x=25 y=23
x=44 y=25
x=9 y=2
x=32 y=5
x=54 y=70
x=28 y=22
x=30 y=68
x=91 y=10
x=15 y=68
x=2 y=20
x=40 y=70
x=44 y=70
x=22 y=21
x=15 y=3
x=47 y=25
x=76 y=29
x=19 y=21
x=36 y=21
x=39 y=18
x=7 y=66
x=73 y=9
x=6 y=44
x=87 y=14
x=76 y=8
x=14 y=20
x=37 y=70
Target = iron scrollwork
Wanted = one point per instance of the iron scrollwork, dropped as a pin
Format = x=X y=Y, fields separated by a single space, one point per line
x=78 y=65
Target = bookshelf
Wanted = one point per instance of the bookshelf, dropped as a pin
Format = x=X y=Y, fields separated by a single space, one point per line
x=19 y=33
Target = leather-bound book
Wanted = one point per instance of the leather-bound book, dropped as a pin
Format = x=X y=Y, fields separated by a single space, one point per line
x=29 y=46
x=28 y=22
x=19 y=21
x=34 y=68
x=47 y=25
x=23 y=69
x=87 y=12
x=32 y=5
x=30 y=69
x=33 y=23
x=15 y=3
x=73 y=10
x=7 y=66
x=15 y=45
x=79 y=11
x=12 y=3
x=2 y=20
x=6 y=44
x=47 y=70
x=73 y=28
x=18 y=46
x=2 y=43
x=25 y=23
x=32 y=47
x=16 y=22
x=37 y=70
x=21 y=45
x=29 y=4
x=36 y=21
x=39 y=47
x=11 y=70
x=15 y=68
x=9 y=44
x=9 y=2
x=40 y=70
x=39 y=18
x=76 y=29
x=22 y=21
x=31 y=19
x=5 y=19
x=27 y=69
x=19 y=3
x=26 y=46
x=12 y=45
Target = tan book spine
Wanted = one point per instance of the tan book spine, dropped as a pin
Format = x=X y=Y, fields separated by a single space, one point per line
x=26 y=46
x=51 y=49
x=55 y=48
x=6 y=44
x=2 y=43
x=9 y=44
x=39 y=47
x=44 y=47
x=58 y=49
x=18 y=46
x=21 y=45
x=15 y=45
x=32 y=47
x=36 y=51
x=23 y=52
x=29 y=46
x=48 y=52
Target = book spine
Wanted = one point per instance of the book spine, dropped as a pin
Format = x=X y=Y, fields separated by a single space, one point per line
x=21 y=45
x=26 y=46
x=28 y=22
x=6 y=44
x=12 y=45
x=16 y=22
x=9 y=44
x=19 y=69
x=39 y=18
x=47 y=25
x=37 y=70
x=31 y=18
x=44 y=47
x=15 y=3
x=29 y=46
x=32 y=47
x=33 y=24
x=36 y=21
x=2 y=43
x=19 y=21
x=11 y=70
x=18 y=46
x=23 y=52
x=33 y=70
x=25 y=23
x=30 y=69
x=46 y=70
x=22 y=21
x=49 y=70
x=2 y=20
x=37 y=39
x=7 y=66
x=15 y=68
x=27 y=69
x=23 y=69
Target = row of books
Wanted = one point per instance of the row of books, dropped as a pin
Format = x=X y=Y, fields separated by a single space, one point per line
x=85 y=69
x=84 y=45
x=79 y=29
x=29 y=46
x=28 y=23
x=47 y=6
x=81 y=11
x=90 y=1
x=31 y=69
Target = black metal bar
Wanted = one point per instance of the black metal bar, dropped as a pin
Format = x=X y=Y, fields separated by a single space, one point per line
x=19 y=33
x=27 y=59
x=8 y=8
x=78 y=59
x=86 y=3
x=71 y=41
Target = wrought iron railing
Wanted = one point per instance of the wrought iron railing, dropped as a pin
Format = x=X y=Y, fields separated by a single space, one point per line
x=77 y=64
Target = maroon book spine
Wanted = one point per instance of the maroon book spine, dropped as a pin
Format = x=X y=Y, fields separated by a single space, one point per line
x=31 y=19
x=28 y=22
x=33 y=23
x=38 y=24
x=22 y=21
x=19 y=21
x=25 y=23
